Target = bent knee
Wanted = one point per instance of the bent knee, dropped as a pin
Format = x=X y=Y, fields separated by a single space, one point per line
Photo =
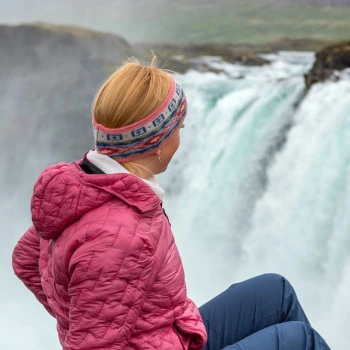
x=275 y=278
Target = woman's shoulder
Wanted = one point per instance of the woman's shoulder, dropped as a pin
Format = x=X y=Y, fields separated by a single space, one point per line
x=116 y=220
x=64 y=194
x=117 y=215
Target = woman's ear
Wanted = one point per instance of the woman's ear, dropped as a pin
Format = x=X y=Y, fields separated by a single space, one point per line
x=157 y=152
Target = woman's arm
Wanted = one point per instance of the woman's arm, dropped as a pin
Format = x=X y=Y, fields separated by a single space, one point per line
x=25 y=263
x=110 y=280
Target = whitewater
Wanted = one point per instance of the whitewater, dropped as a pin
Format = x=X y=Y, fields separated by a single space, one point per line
x=261 y=183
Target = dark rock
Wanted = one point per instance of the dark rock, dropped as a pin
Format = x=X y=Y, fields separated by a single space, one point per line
x=328 y=60
x=181 y=58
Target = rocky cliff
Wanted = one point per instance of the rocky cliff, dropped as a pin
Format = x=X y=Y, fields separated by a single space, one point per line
x=49 y=76
x=328 y=60
x=49 y=73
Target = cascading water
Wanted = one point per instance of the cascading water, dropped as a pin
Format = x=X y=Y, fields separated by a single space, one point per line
x=261 y=183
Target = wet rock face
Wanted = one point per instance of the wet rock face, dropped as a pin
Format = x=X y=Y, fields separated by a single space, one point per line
x=181 y=58
x=39 y=46
x=48 y=78
x=328 y=60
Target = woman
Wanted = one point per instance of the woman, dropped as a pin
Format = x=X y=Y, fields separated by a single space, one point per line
x=101 y=256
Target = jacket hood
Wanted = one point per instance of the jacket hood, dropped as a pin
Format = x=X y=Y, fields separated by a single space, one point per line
x=64 y=192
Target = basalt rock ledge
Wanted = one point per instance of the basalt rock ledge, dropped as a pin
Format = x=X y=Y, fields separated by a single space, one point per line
x=328 y=61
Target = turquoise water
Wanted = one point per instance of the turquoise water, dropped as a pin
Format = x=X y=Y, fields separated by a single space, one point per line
x=263 y=185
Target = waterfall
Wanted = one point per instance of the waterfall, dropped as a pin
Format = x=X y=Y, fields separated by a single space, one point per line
x=263 y=185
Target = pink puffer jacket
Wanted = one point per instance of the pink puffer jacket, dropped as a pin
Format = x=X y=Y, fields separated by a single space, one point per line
x=101 y=258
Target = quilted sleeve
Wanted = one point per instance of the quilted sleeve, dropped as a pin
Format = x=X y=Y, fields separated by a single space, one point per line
x=110 y=280
x=25 y=263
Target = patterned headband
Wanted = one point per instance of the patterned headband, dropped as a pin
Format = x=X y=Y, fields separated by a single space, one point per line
x=136 y=140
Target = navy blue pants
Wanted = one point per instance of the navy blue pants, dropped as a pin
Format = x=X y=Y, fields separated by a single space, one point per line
x=262 y=313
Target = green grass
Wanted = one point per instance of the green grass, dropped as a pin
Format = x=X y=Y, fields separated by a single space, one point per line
x=248 y=21
x=230 y=21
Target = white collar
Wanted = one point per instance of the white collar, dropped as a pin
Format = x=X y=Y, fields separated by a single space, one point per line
x=110 y=166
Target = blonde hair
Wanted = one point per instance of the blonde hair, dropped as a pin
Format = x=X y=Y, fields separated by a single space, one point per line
x=130 y=94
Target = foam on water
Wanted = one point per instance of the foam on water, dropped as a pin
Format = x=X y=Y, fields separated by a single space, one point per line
x=265 y=182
